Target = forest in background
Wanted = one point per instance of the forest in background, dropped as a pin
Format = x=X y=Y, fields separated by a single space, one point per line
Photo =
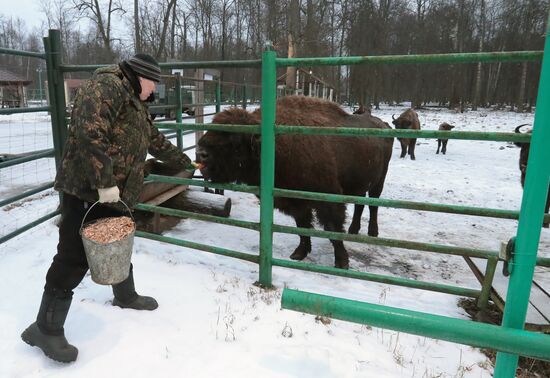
x=106 y=31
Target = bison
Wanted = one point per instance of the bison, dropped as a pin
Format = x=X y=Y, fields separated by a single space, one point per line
x=523 y=157
x=407 y=120
x=443 y=142
x=361 y=110
x=318 y=163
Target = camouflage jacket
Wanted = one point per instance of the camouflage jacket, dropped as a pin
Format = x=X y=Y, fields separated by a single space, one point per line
x=110 y=133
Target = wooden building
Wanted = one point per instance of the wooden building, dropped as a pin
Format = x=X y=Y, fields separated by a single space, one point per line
x=12 y=89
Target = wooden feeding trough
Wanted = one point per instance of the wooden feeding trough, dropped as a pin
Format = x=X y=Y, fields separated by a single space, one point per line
x=174 y=196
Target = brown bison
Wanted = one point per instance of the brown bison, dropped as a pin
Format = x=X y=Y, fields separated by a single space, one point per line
x=361 y=110
x=443 y=142
x=407 y=120
x=317 y=163
x=523 y=157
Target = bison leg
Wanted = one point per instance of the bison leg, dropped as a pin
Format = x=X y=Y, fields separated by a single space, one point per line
x=355 y=225
x=412 y=145
x=303 y=220
x=332 y=217
x=444 y=149
x=438 y=146
x=403 y=147
x=373 y=210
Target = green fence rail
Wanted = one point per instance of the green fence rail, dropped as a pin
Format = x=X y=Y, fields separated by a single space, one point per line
x=461 y=331
x=24 y=110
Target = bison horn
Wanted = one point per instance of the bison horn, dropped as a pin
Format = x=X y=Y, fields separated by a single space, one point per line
x=517 y=129
x=393 y=117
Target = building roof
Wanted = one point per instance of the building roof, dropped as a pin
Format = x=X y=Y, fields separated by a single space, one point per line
x=8 y=77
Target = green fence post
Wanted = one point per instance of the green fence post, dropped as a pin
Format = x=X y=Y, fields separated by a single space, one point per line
x=179 y=108
x=530 y=218
x=218 y=96
x=267 y=179
x=244 y=96
x=52 y=47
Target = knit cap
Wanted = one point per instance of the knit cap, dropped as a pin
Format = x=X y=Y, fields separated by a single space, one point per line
x=146 y=66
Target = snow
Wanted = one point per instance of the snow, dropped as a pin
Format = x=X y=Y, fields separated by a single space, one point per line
x=212 y=320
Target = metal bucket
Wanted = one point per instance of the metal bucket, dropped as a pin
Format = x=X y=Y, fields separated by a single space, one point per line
x=109 y=262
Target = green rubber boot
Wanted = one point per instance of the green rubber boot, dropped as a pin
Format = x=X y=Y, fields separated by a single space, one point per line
x=126 y=296
x=47 y=332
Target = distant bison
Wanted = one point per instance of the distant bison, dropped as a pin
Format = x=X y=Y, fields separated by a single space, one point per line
x=361 y=110
x=523 y=157
x=443 y=142
x=407 y=120
x=329 y=164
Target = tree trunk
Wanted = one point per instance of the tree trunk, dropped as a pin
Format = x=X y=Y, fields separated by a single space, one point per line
x=165 y=22
x=477 y=91
x=521 y=95
x=173 y=34
x=137 y=37
x=293 y=31
x=291 y=71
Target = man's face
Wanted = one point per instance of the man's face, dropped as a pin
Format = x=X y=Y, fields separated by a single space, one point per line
x=147 y=87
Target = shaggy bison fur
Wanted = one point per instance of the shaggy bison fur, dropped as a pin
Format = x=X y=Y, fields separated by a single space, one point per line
x=523 y=159
x=316 y=163
x=407 y=120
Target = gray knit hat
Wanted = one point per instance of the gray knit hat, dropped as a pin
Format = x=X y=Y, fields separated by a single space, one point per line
x=146 y=66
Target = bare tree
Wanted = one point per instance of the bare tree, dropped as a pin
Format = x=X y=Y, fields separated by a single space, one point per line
x=101 y=18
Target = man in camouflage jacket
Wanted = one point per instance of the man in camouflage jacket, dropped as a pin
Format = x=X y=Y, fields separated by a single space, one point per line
x=110 y=134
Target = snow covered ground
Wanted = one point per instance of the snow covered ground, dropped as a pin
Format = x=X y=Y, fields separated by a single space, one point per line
x=212 y=321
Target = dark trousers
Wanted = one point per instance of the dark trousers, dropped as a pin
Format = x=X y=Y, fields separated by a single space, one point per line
x=69 y=264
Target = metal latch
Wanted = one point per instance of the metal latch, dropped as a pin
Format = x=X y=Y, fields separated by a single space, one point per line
x=506 y=253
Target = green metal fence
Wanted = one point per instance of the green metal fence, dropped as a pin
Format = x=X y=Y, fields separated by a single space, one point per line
x=510 y=340
x=55 y=88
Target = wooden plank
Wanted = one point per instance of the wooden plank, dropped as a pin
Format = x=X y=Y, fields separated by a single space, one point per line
x=152 y=189
x=163 y=197
x=538 y=312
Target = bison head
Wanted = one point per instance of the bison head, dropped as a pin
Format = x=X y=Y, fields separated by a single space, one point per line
x=524 y=153
x=227 y=157
x=230 y=157
x=401 y=122
x=445 y=126
x=362 y=110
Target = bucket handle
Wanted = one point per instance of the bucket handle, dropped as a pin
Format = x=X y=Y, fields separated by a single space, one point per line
x=95 y=203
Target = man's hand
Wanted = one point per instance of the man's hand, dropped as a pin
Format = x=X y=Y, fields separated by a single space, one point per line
x=111 y=194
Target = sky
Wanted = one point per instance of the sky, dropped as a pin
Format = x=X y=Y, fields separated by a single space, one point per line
x=28 y=10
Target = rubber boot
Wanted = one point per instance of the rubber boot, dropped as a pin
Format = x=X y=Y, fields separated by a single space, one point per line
x=126 y=296
x=47 y=332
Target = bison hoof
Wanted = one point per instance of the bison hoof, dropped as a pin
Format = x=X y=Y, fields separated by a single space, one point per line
x=342 y=264
x=373 y=233
x=413 y=158
x=353 y=229
x=299 y=254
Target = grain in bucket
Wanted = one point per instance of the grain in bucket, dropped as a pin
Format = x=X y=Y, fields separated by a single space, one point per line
x=108 y=244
